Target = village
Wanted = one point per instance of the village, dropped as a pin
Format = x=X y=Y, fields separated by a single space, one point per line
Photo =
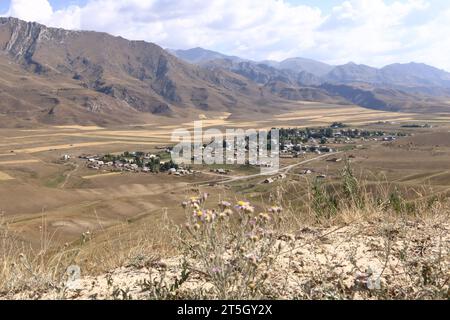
x=136 y=161
x=294 y=143
x=144 y=162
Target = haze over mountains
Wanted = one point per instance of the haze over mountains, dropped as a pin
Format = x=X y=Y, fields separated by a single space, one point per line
x=56 y=76
x=397 y=87
x=410 y=74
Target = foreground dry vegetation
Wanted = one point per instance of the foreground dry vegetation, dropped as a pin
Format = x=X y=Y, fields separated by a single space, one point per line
x=345 y=243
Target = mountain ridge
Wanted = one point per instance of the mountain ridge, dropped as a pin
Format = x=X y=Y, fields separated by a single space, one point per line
x=330 y=72
x=396 y=87
x=93 y=77
x=138 y=76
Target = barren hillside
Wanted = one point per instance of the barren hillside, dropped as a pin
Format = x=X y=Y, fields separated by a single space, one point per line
x=85 y=77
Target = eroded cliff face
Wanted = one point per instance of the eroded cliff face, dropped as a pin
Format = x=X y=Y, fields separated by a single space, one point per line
x=20 y=39
x=45 y=51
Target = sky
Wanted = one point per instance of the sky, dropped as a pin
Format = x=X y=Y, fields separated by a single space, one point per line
x=372 y=32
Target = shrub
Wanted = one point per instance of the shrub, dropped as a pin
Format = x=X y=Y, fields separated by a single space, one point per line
x=323 y=203
x=352 y=189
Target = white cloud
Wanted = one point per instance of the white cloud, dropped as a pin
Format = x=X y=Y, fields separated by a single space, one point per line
x=374 y=32
x=41 y=11
x=36 y=10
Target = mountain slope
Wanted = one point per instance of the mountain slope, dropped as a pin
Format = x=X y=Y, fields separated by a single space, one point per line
x=28 y=99
x=410 y=87
x=135 y=74
x=415 y=74
x=352 y=72
x=405 y=75
x=295 y=68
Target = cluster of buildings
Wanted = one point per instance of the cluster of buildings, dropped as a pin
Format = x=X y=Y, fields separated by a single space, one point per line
x=181 y=171
x=95 y=163
x=290 y=150
x=261 y=163
x=264 y=162
x=297 y=142
x=220 y=171
x=131 y=162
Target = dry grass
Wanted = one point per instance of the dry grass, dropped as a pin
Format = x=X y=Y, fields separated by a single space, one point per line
x=126 y=244
x=38 y=270
x=345 y=242
x=25 y=268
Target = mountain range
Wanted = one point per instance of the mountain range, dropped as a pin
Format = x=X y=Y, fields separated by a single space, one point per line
x=56 y=76
x=412 y=86
x=408 y=74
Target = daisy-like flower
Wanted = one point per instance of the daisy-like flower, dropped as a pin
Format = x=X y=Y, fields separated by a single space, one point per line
x=241 y=204
x=193 y=202
x=199 y=213
x=205 y=215
x=224 y=205
x=245 y=206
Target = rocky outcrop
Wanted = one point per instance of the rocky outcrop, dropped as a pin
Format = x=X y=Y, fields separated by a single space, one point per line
x=23 y=40
x=163 y=84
